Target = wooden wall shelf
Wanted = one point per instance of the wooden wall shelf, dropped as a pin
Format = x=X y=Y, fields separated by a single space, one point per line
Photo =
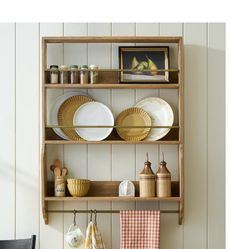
x=111 y=198
x=110 y=142
x=109 y=79
x=112 y=86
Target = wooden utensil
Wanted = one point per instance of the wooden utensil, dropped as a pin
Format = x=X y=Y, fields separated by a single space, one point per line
x=57 y=163
x=57 y=171
x=52 y=167
x=64 y=171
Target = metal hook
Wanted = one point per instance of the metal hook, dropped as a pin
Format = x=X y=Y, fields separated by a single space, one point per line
x=74 y=217
x=91 y=215
x=95 y=217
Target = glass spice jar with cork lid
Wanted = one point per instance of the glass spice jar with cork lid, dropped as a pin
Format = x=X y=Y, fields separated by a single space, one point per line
x=163 y=180
x=54 y=74
x=84 y=74
x=147 y=181
x=93 y=74
x=74 y=74
x=64 y=74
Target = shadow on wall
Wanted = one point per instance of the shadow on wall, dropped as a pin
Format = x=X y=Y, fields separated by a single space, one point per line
x=23 y=178
x=200 y=94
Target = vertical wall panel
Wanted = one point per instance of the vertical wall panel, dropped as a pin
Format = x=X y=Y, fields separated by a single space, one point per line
x=99 y=156
x=142 y=29
x=123 y=157
x=52 y=235
x=216 y=136
x=75 y=156
x=195 y=106
x=169 y=222
x=7 y=125
x=27 y=129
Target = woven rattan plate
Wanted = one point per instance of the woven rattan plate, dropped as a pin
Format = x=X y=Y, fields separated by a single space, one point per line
x=133 y=117
x=66 y=113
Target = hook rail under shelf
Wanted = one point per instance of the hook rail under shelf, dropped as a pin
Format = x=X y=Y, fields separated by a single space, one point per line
x=104 y=211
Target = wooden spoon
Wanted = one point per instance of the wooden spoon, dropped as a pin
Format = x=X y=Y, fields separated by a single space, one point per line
x=52 y=167
x=57 y=163
x=64 y=171
x=57 y=171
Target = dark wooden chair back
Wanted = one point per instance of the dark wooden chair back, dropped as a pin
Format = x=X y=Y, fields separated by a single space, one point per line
x=19 y=243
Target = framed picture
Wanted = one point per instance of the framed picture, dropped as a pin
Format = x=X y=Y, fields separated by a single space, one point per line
x=144 y=64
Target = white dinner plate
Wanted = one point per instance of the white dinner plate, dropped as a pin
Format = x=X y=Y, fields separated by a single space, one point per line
x=53 y=118
x=93 y=113
x=161 y=114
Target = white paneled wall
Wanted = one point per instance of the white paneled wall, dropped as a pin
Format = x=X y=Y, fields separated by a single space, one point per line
x=20 y=212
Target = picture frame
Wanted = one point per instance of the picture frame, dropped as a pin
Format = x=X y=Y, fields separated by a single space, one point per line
x=143 y=64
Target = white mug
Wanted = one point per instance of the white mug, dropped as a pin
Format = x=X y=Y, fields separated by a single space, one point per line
x=74 y=237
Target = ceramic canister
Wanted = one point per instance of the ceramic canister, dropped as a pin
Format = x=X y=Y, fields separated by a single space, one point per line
x=147 y=181
x=59 y=186
x=163 y=180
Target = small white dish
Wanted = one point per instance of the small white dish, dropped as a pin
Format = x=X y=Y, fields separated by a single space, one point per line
x=126 y=188
x=94 y=114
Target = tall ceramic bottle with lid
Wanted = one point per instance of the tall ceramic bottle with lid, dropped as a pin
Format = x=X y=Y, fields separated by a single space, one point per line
x=163 y=180
x=147 y=180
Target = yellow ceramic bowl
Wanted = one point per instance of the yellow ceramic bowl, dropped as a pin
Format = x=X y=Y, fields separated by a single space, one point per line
x=78 y=187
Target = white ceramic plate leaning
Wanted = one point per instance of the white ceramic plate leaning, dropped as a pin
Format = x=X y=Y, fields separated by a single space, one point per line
x=93 y=113
x=53 y=120
x=161 y=114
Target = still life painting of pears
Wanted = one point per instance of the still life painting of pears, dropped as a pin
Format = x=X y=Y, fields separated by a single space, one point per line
x=147 y=67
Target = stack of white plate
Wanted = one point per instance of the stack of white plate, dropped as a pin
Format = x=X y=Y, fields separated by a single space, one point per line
x=161 y=115
x=88 y=114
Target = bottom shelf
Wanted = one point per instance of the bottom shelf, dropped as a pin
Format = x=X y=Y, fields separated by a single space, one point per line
x=108 y=191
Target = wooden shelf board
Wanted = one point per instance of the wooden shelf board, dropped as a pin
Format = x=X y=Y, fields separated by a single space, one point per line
x=113 y=86
x=111 y=198
x=113 y=39
x=111 y=142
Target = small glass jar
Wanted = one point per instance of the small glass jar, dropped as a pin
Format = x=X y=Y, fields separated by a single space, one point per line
x=84 y=74
x=54 y=74
x=64 y=74
x=74 y=74
x=93 y=74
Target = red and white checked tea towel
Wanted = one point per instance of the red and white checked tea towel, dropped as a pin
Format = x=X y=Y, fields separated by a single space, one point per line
x=140 y=229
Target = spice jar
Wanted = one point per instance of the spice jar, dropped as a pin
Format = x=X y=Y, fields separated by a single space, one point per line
x=84 y=74
x=73 y=74
x=64 y=74
x=59 y=186
x=163 y=180
x=54 y=74
x=93 y=74
x=147 y=181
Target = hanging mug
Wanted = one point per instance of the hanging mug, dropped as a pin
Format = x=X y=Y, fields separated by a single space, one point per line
x=74 y=237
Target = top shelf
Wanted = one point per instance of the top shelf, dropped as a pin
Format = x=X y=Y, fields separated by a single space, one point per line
x=113 y=39
x=112 y=86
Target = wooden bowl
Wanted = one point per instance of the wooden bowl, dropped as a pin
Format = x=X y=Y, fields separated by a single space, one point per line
x=78 y=187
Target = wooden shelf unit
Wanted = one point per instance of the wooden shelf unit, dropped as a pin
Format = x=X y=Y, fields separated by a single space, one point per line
x=176 y=82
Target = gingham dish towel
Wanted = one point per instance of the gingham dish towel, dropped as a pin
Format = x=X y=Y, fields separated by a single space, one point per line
x=93 y=237
x=140 y=229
